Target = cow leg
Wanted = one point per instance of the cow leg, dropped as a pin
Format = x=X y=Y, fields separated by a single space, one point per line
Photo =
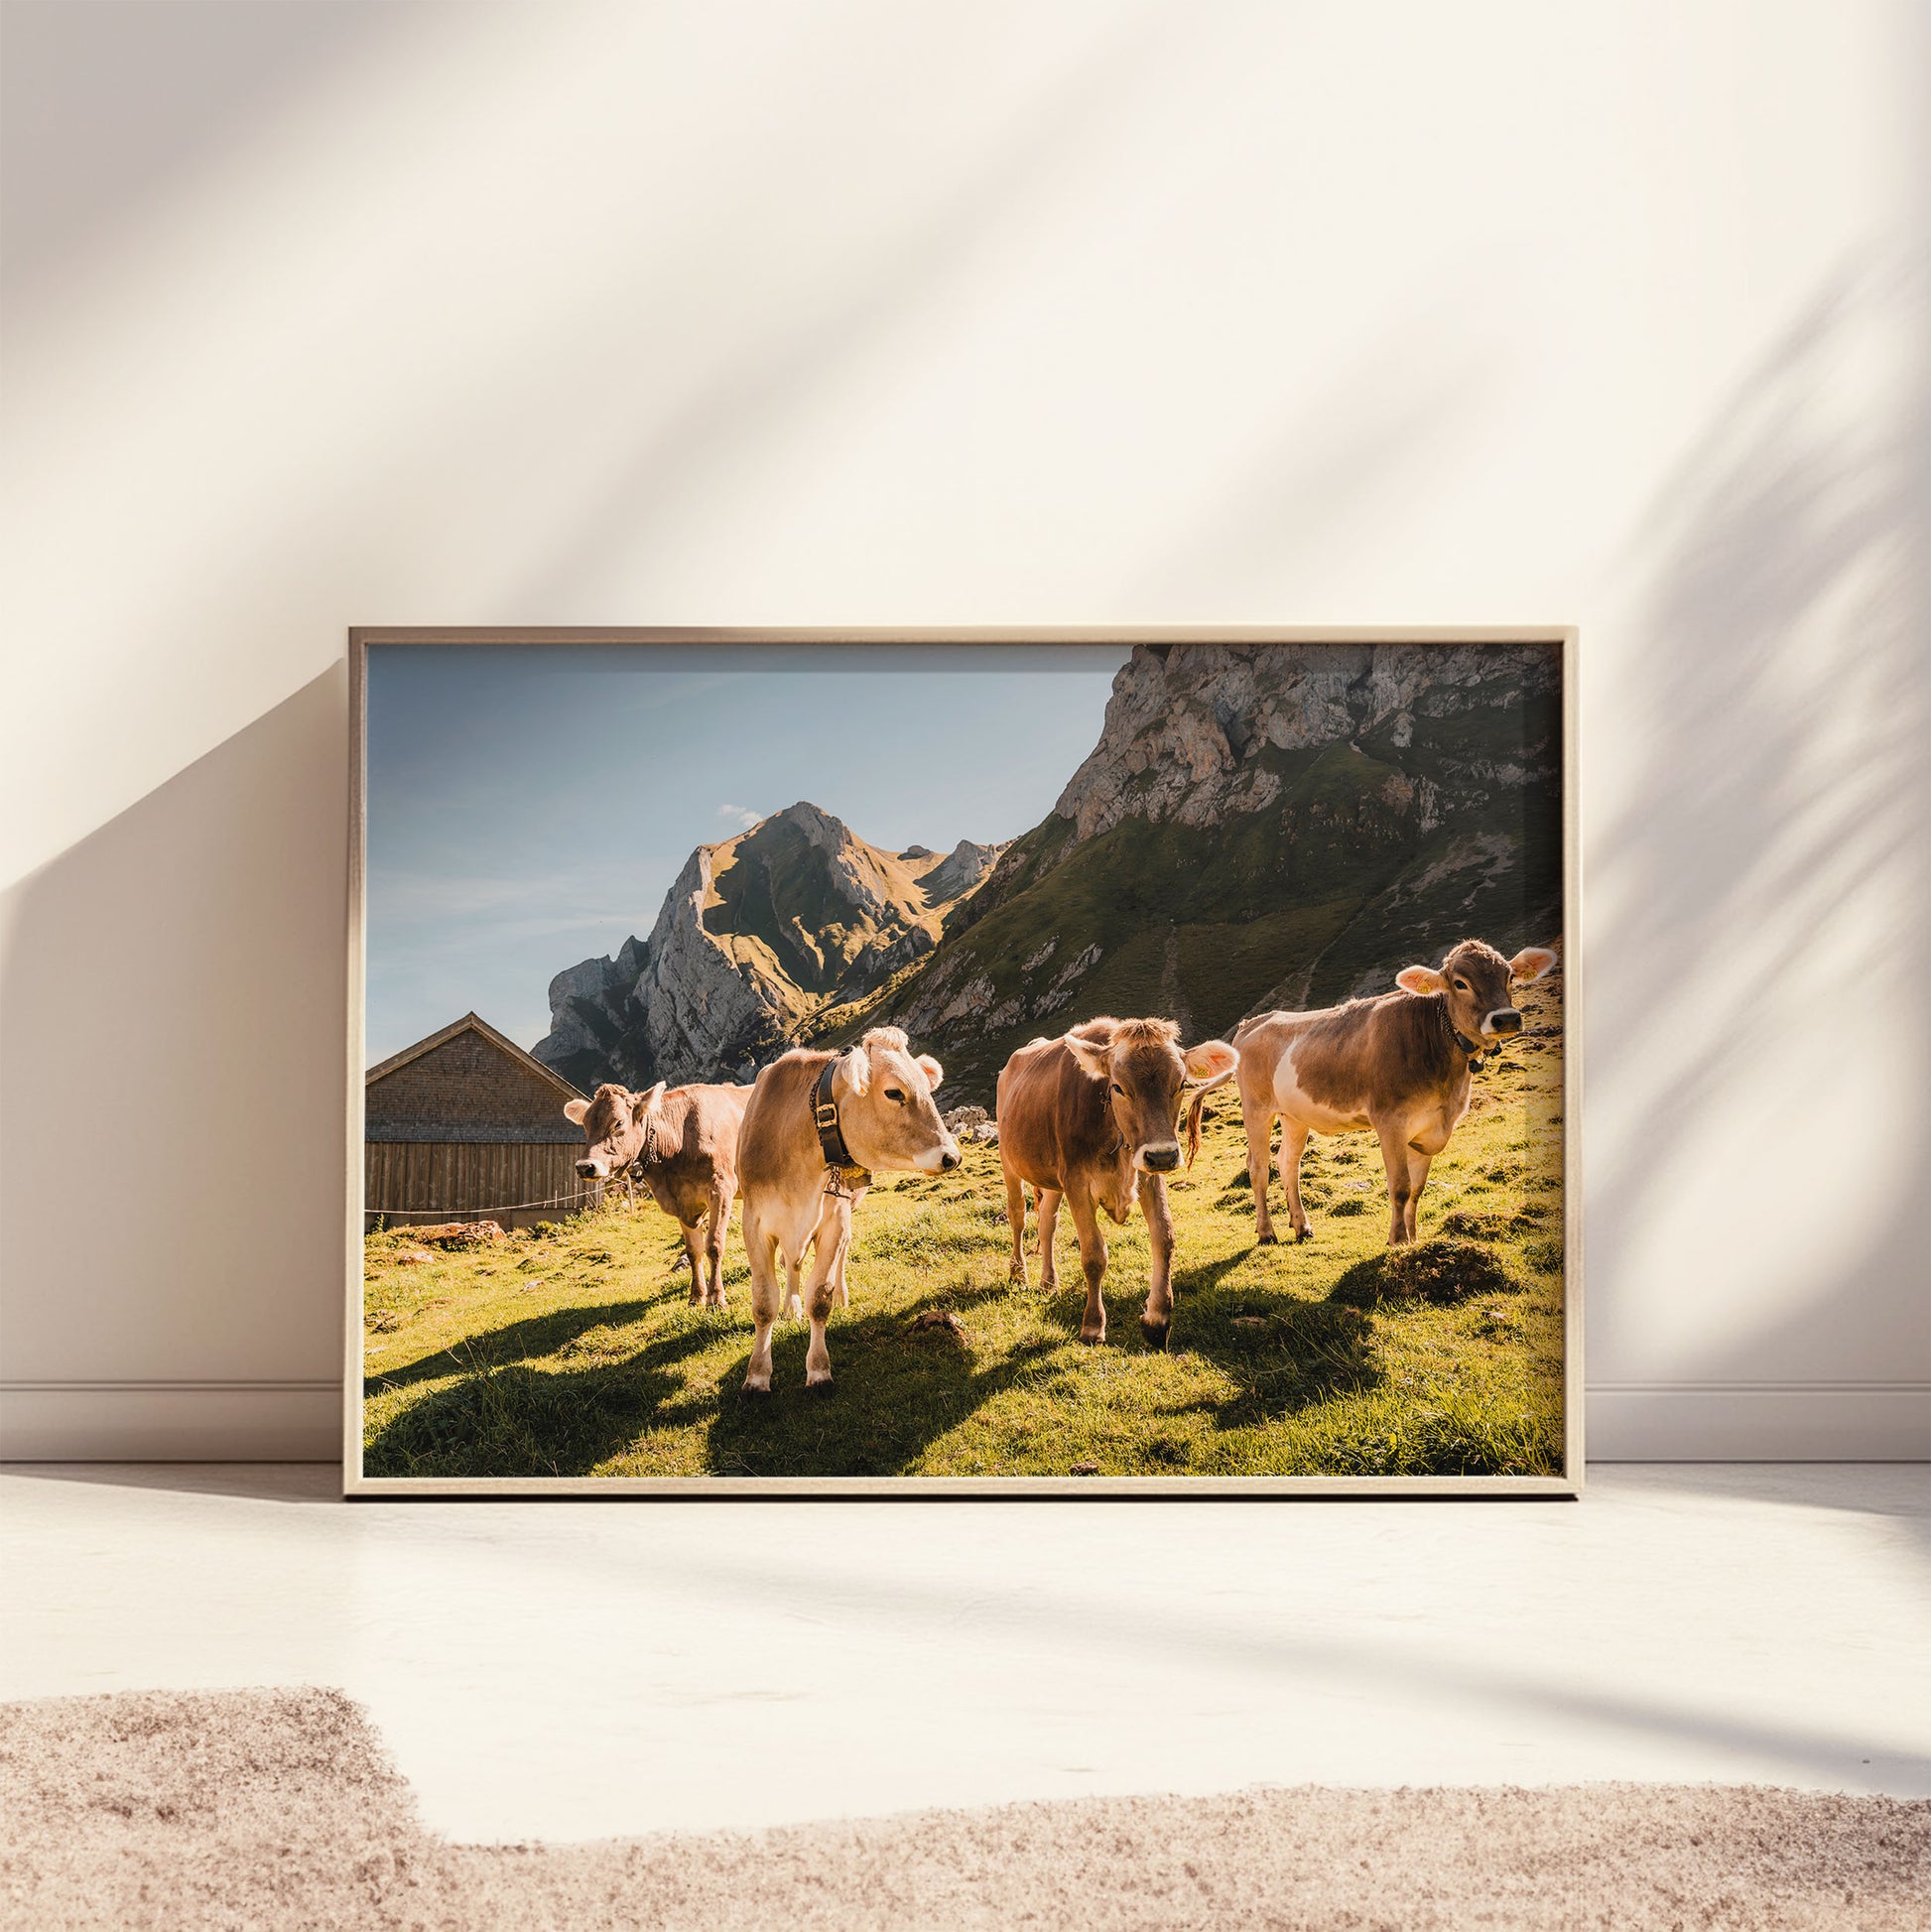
x=1394 y=1158
x=1049 y=1226
x=1258 y=1117
x=761 y=1253
x=718 y=1221
x=1294 y=1142
x=692 y=1232
x=1418 y=1163
x=1158 y=1316
x=1016 y=1220
x=794 y=1296
x=837 y=1275
x=1092 y=1258
x=830 y=1239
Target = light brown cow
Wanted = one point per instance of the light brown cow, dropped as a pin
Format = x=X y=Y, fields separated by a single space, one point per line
x=1399 y=1064
x=1089 y=1119
x=682 y=1145
x=878 y=1106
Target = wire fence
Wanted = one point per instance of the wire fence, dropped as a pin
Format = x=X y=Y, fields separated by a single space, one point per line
x=575 y=1201
x=411 y=1183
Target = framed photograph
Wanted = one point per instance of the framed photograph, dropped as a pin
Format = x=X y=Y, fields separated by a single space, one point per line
x=980 y=1063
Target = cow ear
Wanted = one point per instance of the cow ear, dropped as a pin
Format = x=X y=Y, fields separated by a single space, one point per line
x=575 y=1111
x=1529 y=964
x=857 y=1073
x=1210 y=1059
x=1420 y=980
x=931 y=1069
x=1093 y=1060
x=641 y=1103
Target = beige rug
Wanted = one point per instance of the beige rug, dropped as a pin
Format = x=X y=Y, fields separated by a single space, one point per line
x=268 y=1809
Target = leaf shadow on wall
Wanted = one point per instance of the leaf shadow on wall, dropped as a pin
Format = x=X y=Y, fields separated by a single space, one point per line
x=1759 y=906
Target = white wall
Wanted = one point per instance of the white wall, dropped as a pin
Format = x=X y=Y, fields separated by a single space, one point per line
x=320 y=315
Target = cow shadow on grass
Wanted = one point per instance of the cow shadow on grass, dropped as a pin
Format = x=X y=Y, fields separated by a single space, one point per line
x=1123 y=1291
x=1283 y=1353
x=897 y=1388
x=514 y=1411
x=506 y=1415
x=536 y=1336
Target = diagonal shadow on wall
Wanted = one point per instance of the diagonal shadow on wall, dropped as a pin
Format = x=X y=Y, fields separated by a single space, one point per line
x=171 y=1051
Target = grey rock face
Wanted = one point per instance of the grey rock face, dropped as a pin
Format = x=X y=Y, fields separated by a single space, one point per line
x=589 y=1015
x=1185 y=728
x=959 y=871
x=704 y=1013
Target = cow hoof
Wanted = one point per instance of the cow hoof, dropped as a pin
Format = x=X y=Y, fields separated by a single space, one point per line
x=1092 y=1338
x=1268 y=1239
x=1306 y=1234
x=823 y=1386
x=1155 y=1333
x=752 y=1393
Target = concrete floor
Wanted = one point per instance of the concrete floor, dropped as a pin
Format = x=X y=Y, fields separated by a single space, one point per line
x=578 y=1669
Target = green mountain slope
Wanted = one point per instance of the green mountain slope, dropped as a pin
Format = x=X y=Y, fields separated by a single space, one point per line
x=1258 y=827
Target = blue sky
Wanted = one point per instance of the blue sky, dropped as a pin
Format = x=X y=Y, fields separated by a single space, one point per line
x=528 y=806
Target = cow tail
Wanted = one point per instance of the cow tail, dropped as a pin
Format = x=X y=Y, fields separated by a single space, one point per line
x=1194 y=1113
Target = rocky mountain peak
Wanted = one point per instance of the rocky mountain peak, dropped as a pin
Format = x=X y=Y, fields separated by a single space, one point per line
x=759 y=932
x=820 y=828
x=959 y=871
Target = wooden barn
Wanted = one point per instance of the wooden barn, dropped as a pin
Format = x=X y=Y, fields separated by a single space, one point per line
x=466 y=1124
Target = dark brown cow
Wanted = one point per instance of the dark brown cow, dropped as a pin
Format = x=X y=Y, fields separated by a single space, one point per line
x=1089 y=1119
x=682 y=1145
x=1399 y=1064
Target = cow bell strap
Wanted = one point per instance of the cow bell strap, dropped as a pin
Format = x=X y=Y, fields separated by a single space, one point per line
x=845 y=1176
x=1471 y=1049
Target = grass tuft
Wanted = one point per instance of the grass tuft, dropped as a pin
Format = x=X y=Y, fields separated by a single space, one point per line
x=1478 y=1224
x=1443 y=1271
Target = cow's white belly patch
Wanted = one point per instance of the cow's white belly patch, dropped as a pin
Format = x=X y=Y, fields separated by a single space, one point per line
x=1298 y=1104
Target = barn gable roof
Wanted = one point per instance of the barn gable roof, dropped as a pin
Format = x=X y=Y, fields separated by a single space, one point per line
x=470 y=1023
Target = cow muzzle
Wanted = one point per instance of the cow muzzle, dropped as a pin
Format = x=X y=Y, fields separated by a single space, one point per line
x=1161 y=1157
x=1502 y=1024
x=593 y=1170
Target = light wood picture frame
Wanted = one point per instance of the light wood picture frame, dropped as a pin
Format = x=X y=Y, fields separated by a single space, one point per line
x=1248 y=831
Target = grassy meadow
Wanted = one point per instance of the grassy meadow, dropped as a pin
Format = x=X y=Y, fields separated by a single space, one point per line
x=572 y=1351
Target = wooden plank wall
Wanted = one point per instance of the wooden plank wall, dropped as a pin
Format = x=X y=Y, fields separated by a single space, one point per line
x=512 y=1182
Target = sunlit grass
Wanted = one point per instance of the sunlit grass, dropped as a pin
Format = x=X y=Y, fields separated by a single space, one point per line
x=573 y=1350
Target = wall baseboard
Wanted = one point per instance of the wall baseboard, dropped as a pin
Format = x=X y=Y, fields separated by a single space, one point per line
x=1628 y=1422
x=170 y=1422
x=1759 y=1422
